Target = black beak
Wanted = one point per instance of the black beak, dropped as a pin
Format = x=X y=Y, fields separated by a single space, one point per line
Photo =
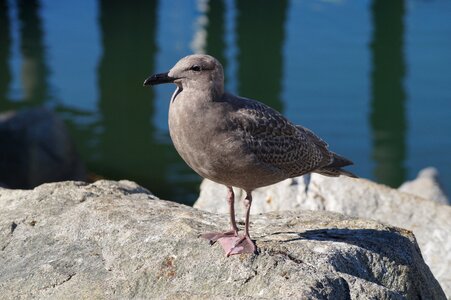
x=158 y=79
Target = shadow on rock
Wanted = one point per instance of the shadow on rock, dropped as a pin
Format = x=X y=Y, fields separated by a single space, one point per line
x=381 y=241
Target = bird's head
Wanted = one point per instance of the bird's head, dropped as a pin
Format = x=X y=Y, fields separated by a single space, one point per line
x=197 y=71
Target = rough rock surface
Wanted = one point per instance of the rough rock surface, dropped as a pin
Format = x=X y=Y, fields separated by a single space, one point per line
x=115 y=240
x=429 y=220
x=35 y=147
x=427 y=186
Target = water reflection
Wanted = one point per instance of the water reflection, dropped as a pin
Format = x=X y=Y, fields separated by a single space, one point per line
x=261 y=34
x=216 y=30
x=34 y=69
x=125 y=141
x=388 y=120
x=5 y=54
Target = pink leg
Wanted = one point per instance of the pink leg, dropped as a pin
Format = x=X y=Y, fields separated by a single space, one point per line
x=233 y=232
x=243 y=244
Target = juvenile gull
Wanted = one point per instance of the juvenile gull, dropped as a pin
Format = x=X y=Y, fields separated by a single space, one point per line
x=236 y=141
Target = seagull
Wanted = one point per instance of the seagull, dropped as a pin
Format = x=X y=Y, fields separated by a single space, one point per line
x=236 y=141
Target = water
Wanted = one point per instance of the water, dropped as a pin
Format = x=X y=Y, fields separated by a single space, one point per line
x=373 y=78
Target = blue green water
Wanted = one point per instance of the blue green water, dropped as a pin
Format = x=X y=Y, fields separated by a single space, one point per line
x=373 y=78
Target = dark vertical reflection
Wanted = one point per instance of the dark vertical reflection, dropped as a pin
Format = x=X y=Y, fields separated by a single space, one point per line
x=126 y=148
x=216 y=30
x=388 y=120
x=5 y=46
x=260 y=31
x=34 y=69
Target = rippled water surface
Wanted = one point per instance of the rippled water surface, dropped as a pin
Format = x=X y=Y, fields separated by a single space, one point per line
x=373 y=78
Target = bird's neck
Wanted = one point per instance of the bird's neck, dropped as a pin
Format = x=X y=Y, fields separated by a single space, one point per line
x=204 y=93
x=209 y=90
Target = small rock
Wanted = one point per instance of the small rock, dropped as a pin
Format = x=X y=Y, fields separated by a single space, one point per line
x=36 y=148
x=212 y=197
x=427 y=186
x=122 y=243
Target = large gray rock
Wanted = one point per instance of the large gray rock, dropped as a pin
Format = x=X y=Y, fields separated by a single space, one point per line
x=114 y=240
x=427 y=186
x=429 y=220
x=35 y=147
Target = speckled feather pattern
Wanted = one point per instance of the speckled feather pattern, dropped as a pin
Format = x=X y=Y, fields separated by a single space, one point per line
x=275 y=140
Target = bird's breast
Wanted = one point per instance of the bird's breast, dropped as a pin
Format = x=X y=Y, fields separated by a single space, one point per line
x=206 y=141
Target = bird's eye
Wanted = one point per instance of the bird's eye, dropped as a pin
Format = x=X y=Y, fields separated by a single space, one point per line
x=196 y=68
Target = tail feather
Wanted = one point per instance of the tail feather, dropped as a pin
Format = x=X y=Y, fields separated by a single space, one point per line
x=340 y=161
x=334 y=169
x=335 y=172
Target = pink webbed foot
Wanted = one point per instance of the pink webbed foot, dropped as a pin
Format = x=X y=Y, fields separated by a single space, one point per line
x=229 y=240
x=213 y=237
x=237 y=245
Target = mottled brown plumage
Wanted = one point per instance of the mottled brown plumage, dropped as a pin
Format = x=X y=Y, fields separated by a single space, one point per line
x=237 y=141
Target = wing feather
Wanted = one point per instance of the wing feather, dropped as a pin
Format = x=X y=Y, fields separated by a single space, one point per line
x=276 y=141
